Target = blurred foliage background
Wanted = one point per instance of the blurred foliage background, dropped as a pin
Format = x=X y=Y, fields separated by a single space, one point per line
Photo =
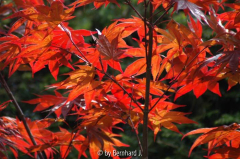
x=209 y=110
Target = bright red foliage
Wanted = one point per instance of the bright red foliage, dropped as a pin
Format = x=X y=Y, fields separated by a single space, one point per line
x=180 y=62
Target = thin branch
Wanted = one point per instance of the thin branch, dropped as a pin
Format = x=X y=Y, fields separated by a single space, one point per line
x=70 y=37
x=134 y=128
x=21 y=114
x=159 y=18
x=159 y=11
x=139 y=142
x=128 y=2
x=145 y=113
x=145 y=28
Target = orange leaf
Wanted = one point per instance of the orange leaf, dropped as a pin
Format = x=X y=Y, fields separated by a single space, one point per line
x=166 y=118
x=217 y=136
x=138 y=67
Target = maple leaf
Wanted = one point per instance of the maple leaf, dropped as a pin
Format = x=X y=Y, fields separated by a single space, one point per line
x=231 y=17
x=112 y=54
x=164 y=105
x=59 y=104
x=138 y=67
x=9 y=49
x=156 y=87
x=105 y=140
x=55 y=14
x=27 y=3
x=39 y=131
x=231 y=58
x=61 y=39
x=81 y=82
x=225 y=65
x=131 y=25
x=224 y=36
x=177 y=38
x=188 y=80
x=65 y=140
x=166 y=118
x=103 y=118
x=99 y=123
x=10 y=136
x=195 y=27
x=107 y=49
x=46 y=17
x=216 y=136
x=194 y=9
x=199 y=86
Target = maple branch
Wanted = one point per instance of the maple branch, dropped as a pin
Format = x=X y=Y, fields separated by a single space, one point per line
x=21 y=114
x=148 y=80
x=175 y=80
x=128 y=2
x=145 y=27
x=159 y=11
x=159 y=18
x=135 y=130
x=70 y=37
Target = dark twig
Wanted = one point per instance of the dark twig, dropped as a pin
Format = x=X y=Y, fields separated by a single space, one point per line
x=128 y=2
x=159 y=18
x=159 y=11
x=70 y=37
x=134 y=128
x=148 y=79
x=20 y=112
x=139 y=142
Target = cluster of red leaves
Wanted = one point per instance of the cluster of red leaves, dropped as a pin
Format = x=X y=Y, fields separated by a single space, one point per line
x=101 y=101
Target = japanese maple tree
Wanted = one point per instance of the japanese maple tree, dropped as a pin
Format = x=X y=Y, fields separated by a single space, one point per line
x=169 y=61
